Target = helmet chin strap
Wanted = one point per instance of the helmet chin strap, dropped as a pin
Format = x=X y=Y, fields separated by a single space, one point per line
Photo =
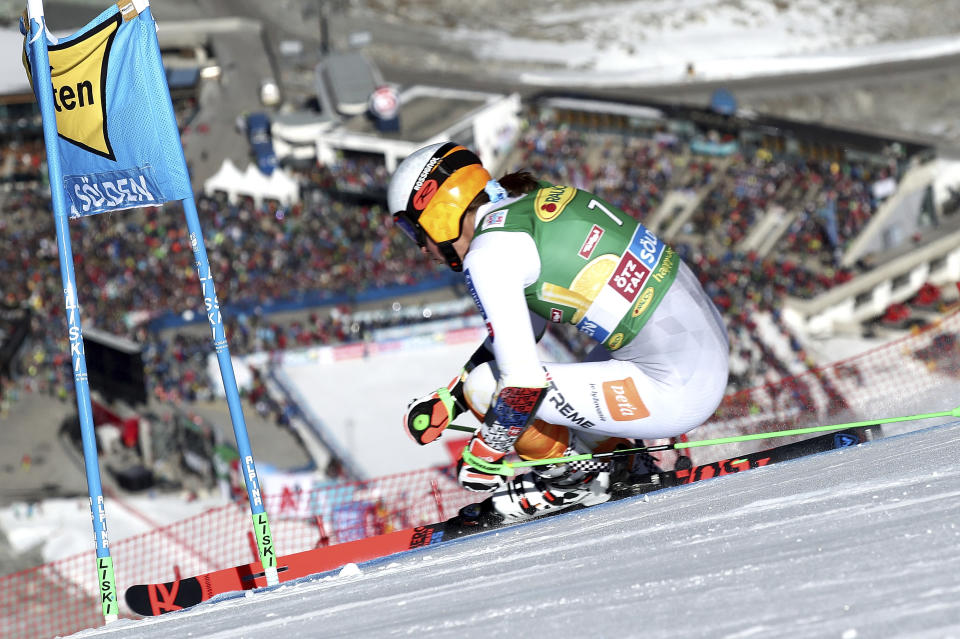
x=451 y=256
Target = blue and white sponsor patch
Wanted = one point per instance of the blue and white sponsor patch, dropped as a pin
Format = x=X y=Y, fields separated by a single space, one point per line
x=647 y=247
x=621 y=290
x=112 y=191
x=473 y=293
x=592 y=329
x=477 y=302
x=494 y=220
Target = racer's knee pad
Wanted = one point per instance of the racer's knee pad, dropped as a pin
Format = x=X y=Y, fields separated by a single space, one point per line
x=549 y=441
x=540 y=440
x=543 y=441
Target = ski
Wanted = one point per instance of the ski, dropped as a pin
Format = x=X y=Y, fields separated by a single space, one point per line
x=160 y=598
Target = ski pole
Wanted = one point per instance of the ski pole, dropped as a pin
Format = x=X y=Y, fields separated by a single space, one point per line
x=507 y=468
x=464 y=429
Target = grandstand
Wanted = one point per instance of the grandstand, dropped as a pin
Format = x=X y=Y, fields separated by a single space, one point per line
x=830 y=227
x=774 y=219
x=834 y=207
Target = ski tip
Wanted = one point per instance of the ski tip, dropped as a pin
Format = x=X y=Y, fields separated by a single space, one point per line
x=150 y=600
x=138 y=600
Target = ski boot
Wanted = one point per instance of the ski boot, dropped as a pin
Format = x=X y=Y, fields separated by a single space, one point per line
x=634 y=474
x=530 y=495
x=553 y=488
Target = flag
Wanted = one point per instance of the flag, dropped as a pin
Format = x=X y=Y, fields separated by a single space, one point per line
x=112 y=143
x=118 y=143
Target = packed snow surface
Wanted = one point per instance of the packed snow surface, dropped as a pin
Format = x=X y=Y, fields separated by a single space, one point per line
x=853 y=543
x=640 y=42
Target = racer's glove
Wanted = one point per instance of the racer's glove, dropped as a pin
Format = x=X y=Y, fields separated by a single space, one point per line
x=427 y=417
x=474 y=479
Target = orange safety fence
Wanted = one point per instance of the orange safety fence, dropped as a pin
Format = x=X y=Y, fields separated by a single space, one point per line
x=917 y=373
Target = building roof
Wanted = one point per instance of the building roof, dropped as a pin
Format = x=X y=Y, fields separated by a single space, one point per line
x=423 y=116
x=350 y=79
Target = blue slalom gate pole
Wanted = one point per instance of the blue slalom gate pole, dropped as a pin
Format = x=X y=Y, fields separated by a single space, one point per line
x=261 y=525
x=107 y=585
x=211 y=305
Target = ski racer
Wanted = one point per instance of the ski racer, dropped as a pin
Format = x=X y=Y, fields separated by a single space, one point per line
x=531 y=253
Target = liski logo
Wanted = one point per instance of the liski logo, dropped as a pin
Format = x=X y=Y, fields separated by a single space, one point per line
x=79 y=74
x=844 y=440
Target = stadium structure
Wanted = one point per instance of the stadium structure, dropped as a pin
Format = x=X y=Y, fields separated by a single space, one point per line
x=908 y=242
x=485 y=121
x=748 y=197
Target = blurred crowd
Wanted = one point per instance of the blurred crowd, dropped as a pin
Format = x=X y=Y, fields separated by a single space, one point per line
x=827 y=202
x=132 y=265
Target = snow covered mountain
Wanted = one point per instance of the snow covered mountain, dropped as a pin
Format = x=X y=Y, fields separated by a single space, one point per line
x=853 y=543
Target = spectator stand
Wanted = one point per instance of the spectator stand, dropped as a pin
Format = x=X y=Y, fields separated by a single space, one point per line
x=680 y=170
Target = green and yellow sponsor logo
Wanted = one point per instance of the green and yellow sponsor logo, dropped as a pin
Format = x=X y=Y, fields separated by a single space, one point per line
x=584 y=288
x=667 y=262
x=643 y=302
x=615 y=341
x=551 y=201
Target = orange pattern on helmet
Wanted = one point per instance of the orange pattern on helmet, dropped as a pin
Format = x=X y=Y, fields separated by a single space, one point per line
x=442 y=198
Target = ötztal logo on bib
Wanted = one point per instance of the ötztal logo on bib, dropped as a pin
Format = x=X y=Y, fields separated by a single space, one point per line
x=629 y=276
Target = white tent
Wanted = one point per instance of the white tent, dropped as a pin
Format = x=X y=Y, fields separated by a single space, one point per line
x=256 y=185
x=252 y=183
x=284 y=187
x=228 y=179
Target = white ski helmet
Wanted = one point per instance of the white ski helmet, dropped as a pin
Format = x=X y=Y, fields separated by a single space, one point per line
x=430 y=191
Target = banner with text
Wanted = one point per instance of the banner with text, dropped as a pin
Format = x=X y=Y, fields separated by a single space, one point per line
x=118 y=143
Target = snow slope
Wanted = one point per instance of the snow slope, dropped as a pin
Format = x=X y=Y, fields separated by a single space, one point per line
x=356 y=395
x=861 y=542
x=649 y=42
x=62 y=526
